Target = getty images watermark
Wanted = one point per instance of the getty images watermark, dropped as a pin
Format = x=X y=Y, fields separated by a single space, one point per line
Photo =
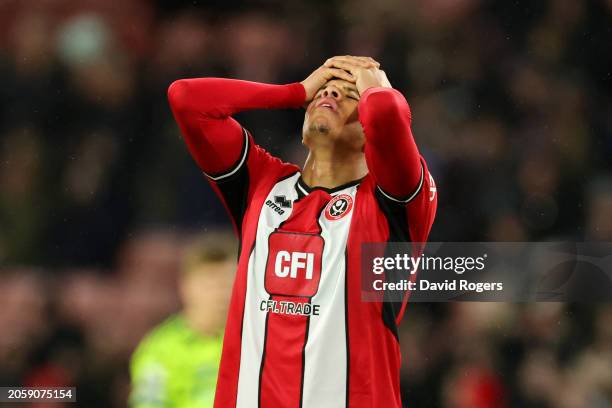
x=408 y=265
x=487 y=271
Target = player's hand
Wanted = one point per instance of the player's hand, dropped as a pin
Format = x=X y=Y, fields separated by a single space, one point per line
x=366 y=71
x=320 y=76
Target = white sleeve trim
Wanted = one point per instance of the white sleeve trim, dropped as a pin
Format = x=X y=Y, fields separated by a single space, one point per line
x=302 y=189
x=238 y=166
x=416 y=192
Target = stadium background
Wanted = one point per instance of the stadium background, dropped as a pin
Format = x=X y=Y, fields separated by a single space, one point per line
x=511 y=107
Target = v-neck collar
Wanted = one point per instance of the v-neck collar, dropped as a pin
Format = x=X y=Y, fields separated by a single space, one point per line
x=304 y=189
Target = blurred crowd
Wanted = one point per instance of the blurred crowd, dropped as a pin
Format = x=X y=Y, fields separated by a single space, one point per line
x=511 y=105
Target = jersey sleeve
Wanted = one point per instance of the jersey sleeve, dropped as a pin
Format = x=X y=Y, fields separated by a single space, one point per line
x=404 y=188
x=221 y=147
x=411 y=219
x=421 y=207
x=254 y=169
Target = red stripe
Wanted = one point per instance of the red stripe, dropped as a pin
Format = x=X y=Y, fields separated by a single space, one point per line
x=305 y=214
x=229 y=368
x=374 y=355
x=286 y=335
x=281 y=378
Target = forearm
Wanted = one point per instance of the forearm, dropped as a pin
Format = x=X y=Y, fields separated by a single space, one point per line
x=202 y=108
x=220 y=97
x=391 y=153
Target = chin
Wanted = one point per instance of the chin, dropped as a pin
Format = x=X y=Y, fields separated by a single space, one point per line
x=321 y=123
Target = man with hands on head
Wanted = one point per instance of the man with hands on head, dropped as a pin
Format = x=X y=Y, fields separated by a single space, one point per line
x=298 y=332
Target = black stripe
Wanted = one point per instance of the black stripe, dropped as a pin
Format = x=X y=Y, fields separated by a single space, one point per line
x=397 y=219
x=235 y=191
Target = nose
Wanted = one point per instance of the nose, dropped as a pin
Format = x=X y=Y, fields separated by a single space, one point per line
x=331 y=91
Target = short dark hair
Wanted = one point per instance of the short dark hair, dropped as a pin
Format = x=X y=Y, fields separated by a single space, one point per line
x=213 y=246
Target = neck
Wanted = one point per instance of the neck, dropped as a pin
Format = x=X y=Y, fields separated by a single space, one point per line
x=331 y=168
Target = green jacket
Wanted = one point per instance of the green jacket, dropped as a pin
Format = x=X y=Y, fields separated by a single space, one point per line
x=174 y=366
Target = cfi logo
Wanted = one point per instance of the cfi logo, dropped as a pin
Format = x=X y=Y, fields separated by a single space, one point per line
x=338 y=207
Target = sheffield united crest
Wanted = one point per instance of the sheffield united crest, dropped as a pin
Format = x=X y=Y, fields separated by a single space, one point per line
x=338 y=207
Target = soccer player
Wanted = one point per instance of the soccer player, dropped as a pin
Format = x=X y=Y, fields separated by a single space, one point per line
x=176 y=365
x=298 y=333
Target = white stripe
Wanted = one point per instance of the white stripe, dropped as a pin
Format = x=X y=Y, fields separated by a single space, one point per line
x=254 y=320
x=302 y=189
x=242 y=160
x=413 y=194
x=253 y=329
x=326 y=355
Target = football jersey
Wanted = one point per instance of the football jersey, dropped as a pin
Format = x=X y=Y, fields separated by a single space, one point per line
x=298 y=333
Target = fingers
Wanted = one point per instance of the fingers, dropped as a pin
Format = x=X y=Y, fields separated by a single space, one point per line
x=362 y=62
x=347 y=66
x=365 y=62
x=385 y=80
x=339 y=73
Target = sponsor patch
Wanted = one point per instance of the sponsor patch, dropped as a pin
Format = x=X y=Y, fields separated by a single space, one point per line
x=294 y=264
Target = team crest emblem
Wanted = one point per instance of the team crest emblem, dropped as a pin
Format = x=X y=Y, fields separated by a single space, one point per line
x=338 y=207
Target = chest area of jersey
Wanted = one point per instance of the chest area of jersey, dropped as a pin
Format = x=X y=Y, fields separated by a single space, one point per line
x=301 y=239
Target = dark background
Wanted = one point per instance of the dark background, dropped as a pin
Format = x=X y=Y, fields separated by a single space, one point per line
x=512 y=109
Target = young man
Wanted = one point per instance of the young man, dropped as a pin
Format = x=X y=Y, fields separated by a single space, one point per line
x=298 y=333
x=176 y=365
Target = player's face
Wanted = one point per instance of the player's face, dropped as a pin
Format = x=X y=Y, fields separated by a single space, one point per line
x=208 y=289
x=333 y=114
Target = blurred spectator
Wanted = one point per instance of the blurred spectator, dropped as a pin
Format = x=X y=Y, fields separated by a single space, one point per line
x=177 y=363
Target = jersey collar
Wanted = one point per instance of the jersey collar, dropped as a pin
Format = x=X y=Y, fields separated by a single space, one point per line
x=304 y=189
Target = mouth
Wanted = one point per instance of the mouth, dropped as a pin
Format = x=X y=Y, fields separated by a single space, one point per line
x=328 y=103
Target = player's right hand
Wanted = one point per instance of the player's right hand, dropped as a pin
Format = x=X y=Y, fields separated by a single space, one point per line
x=365 y=70
x=320 y=77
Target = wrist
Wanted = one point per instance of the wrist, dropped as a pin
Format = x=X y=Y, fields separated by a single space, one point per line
x=297 y=94
x=376 y=89
x=365 y=85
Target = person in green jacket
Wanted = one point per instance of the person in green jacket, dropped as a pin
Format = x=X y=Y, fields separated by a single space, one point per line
x=176 y=364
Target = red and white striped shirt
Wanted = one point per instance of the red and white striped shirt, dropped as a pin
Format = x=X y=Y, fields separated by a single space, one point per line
x=298 y=333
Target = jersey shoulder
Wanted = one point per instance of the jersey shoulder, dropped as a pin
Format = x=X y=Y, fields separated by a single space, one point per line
x=255 y=161
x=410 y=218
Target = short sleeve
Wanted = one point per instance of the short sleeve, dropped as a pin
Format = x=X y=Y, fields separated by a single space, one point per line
x=254 y=169
x=410 y=218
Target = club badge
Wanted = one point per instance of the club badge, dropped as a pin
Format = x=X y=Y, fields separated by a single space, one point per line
x=338 y=207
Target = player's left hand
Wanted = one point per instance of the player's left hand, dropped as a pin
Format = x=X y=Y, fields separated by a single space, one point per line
x=366 y=71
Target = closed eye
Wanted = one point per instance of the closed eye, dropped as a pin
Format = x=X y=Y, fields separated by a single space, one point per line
x=351 y=93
